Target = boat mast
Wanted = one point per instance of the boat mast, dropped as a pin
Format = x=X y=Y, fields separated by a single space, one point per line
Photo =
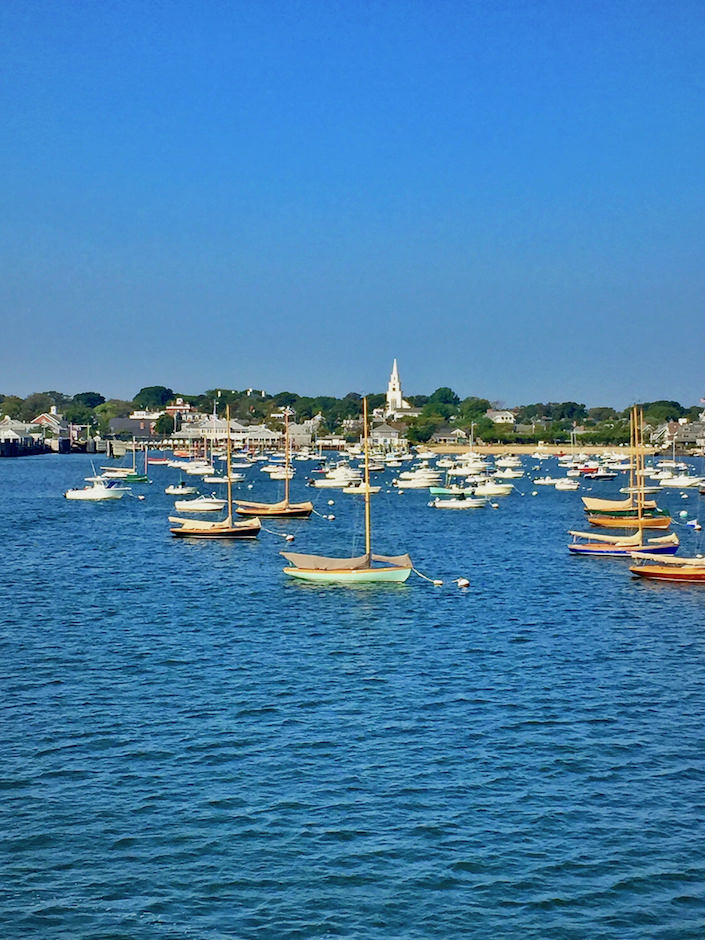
x=227 y=451
x=286 y=457
x=639 y=447
x=368 y=533
x=633 y=459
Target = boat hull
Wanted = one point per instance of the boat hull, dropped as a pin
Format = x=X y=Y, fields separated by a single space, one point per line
x=234 y=533
x=293 y=511
x=467 y=503
x=91 y=497
x=616 y=551
x=211 y=505
x=630 y=522
x=350 y=576
x=670 y=573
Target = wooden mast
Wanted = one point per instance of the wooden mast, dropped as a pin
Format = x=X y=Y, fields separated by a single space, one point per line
x=633 y=459
x=639 y=448
x=286 y=457
x=368 y=533
x=227 y=451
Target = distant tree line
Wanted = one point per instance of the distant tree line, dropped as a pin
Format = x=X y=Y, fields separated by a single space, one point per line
x=547 y=421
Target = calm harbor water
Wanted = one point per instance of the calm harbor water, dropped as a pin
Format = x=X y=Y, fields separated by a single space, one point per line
x=194 y=746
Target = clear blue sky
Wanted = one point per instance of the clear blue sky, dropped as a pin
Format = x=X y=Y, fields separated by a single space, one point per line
x=507 y=196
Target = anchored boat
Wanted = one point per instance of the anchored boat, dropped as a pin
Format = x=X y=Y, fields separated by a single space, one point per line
x=361 y=569
x=284 y=508
x=223 y=529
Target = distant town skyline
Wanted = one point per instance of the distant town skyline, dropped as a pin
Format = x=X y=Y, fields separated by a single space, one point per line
x=506 y=197
x=392 y=388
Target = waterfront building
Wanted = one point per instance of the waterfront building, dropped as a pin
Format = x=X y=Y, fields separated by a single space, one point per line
x=449 y=435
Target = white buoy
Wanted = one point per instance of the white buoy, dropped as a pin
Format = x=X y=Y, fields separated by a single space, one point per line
x=683 y=513
x=535 y=493
x=290 y=538
x=494 y=505
x=331 y=517
x=438 y=583
x=462 y=582
x=331 y=502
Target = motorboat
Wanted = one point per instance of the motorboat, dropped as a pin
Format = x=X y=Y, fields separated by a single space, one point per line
x=459 y=502
x=491 y=488
x=98 y=491
x=180 y=489
x=216 y=478
x=358 y=488
x=568 y=485
x=338 y=477
x=200 y=504
x=682 y=481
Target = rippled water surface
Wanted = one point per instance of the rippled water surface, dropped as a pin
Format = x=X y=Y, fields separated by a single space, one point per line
x=194 y=746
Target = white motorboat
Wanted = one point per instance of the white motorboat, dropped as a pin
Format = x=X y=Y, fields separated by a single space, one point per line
x=180 y=489
x=282 y=473
x=359 y=488
x=99 y=490
x=420 y=481
x=199 y=468
x=490 y=488
x=216 y=478
x=682 y=481
x=567 y=484
x=338 y=477
x=459 y=502
x=200 y=504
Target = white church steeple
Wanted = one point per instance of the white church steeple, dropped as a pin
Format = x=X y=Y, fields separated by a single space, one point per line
x=395 y=402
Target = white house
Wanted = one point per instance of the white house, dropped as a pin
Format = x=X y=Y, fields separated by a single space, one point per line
x=385 y=435
x=500 y=417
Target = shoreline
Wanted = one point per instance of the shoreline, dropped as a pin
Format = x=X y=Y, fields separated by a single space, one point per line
x=552 y=450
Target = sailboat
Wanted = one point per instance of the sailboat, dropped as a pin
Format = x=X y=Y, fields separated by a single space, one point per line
x=683 y=570
x=134 y=476
x=635 y=511
x=361 y=569
x=225 y=528
x=284 y=508
x=587 y=543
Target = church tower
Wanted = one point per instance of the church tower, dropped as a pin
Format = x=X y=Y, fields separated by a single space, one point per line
x=395 y=402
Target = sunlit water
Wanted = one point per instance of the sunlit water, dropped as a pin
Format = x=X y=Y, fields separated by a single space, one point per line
x=194 y=746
